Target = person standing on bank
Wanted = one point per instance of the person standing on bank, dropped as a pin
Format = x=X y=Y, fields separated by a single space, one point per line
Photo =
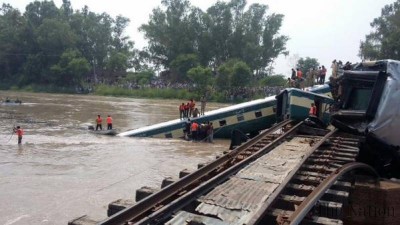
x=109 y=122
x=19 y=133
x=203 y=105
x=99 y=120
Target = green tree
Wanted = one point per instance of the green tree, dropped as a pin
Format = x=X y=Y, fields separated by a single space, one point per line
x=201 y=77
x=274 y=80
x=241 y=75
x=233 y=74
x=168 y=32
x=70 y=70
x=305 y=64
x=384 y=41
x=12 y=43
x=225 y=31
x=181 y=65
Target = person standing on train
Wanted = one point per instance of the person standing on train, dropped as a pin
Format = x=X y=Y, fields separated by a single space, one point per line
x=195 y=113
x=203 y=101
x=192 y=104
x=299 y=79
x=182 y=111
x=323 y=74
x=186 y=108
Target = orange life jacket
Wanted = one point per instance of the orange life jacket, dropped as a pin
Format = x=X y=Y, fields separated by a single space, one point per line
x=109 y=120
x=195 y=126
x=181 y=107
x=99 y=120
x=299 y=74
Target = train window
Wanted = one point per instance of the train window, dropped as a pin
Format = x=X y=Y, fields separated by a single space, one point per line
x=240 y=117
x=168 y=135
x=258 y=114
x=222 y=123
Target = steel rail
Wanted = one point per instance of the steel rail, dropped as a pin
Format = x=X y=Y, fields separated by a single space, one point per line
x=165 y=212
x=274 y=196
x=140 y=208
x=302 y=210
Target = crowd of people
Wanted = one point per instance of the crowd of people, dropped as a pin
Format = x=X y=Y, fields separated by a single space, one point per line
x=199 y=132
x=316 y=75
x=189 y=109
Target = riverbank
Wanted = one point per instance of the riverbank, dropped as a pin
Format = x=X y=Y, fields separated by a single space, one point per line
x=151 y=93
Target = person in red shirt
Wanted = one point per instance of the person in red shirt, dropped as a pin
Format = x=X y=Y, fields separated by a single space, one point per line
x=182 y=111
x=299 y=74
x=19 y=133
x=99 y=120
x=109 y=122
x=313 y=110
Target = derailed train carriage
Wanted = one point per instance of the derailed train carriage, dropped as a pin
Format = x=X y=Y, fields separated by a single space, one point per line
x=248 y=118
x=295 y=104
x=367 y=103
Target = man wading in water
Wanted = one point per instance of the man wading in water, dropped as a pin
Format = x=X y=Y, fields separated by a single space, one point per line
x=19 y=133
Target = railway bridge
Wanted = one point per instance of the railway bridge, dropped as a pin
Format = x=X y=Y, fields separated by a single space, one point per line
x=291 y=173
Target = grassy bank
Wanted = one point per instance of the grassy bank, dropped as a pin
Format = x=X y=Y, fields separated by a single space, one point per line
x=107 y=90
x=164 y=93
x=39 y=88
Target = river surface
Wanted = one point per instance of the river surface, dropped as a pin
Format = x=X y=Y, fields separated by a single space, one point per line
x=61 y=171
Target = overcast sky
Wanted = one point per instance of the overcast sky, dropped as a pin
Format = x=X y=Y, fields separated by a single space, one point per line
x=322 y=29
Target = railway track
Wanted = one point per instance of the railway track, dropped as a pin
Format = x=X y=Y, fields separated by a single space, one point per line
x=200 y=198
x=159 y=201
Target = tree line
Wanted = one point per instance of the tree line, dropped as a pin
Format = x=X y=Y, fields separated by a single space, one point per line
x=229 y=45
x=226 y=46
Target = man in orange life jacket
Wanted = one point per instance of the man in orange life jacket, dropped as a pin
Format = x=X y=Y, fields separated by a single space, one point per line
x=194 y=129
x=99 y=120
x=19 y=133
x=182 y=111
x=191 y=107
x=109 y=122
x=313 y=110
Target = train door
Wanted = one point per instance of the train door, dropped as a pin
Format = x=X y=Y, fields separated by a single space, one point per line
x=282 y=110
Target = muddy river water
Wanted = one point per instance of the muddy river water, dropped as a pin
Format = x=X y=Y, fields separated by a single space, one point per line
x=62 y=171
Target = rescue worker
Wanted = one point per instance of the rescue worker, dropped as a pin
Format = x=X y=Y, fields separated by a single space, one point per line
x=313 y=110
x=99 y=120
x=195 y=112
x=191 y=107
x=187 y=106
x=109 y=122
x=19 y=133
x=323 y=74
x=182 y=111
x=194 y=130
x=299 y=79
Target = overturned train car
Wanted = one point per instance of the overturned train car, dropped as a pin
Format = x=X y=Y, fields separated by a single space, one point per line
x=367 y=103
